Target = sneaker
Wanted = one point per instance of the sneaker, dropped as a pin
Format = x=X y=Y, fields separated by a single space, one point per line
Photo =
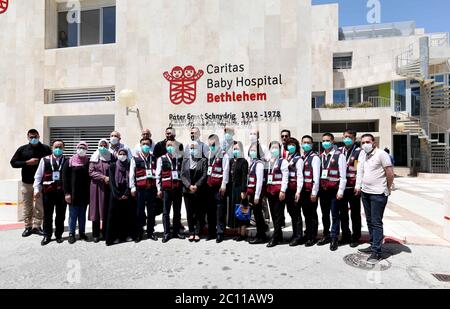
x=374 y=258
x=72 y=239
x=367 y=250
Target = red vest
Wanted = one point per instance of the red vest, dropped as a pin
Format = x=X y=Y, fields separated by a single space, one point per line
x=308 y=173
x=351 y=167
x=215 y=172
x=167 y=167
x=142 y=181
x=252 y=179
x=48 y=184
x=274 y=187
x=333 y=178
x=293 y=173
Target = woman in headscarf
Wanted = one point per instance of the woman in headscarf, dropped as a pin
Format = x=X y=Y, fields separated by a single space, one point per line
x=99 y=193
x=76 y=181
x=120 y=215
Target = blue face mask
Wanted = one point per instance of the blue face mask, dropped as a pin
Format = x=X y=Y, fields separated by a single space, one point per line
x=145 y=149
x=170 y=149
x=228 y=137
x=306 y=147
x=348 y=141
x=327 y=145
x=237 y=153
x=58 y=152
x=212 y=148
x=291 y=149
x=253 y=154
x=275 y=152
x=103 y=150
x=34 y=141
x=194 y=152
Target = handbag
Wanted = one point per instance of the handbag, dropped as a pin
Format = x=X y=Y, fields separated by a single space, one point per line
x=242 y=212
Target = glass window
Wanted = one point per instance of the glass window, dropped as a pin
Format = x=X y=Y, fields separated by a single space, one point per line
x=438 y=78
x=67 y=32
x=342 y=62
x=400 y=95
x=318 y=99
x=354 y=96
x=415 y=101
x=339 y=97
x=109 y=25
x=90 y=27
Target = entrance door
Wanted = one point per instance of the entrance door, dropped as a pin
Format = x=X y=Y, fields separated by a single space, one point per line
x=401 y=150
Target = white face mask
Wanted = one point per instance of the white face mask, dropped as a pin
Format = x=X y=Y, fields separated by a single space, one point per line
x=367 y=148
x=122 y=158
x=114 y=140
x=81 y=152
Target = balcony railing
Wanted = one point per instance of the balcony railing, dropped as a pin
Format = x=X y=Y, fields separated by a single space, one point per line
x=372 y=102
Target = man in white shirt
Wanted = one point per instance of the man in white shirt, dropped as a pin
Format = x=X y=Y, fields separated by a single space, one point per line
x=332 y=186
x=116 y=145
x=374 y=180
x=146 y=133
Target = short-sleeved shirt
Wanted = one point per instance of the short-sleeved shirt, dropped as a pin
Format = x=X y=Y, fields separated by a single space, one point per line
x=371 y=176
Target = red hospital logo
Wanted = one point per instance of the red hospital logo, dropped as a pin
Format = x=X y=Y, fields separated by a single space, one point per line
x=183 y=84
x=3 y=6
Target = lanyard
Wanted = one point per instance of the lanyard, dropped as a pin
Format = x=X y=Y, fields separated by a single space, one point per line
x=329 y=160
x=209 y=159
x=171 y=164
x=351 y=153
x=59 y=165
x=145 y=161
x=273 y=167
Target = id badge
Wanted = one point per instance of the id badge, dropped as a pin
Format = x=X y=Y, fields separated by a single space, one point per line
x=209 y=171
x=324 y=174
x=149 y=173
x=270 y=179
x=56 y=176
x=174 y=175
x=292 y=174
x=307 y=173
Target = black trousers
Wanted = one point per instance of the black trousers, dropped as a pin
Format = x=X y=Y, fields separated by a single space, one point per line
x=121 y=218
x=295 y=211
x=277 y=212
x=172 y=199
x=146 y=200
x=259 y=217
x=326 y=199
x=310 y=212
x=194 y=213
x=54 y=202
x=355 y=212
x=216 y=212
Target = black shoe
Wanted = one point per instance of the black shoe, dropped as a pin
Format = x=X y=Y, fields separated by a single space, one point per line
x=345 y=241
x=334 y=245
x=272 y=243
x=27 y=232
x=239 y=238
x=96 y=239
x=310 y=243
x=325 y=240
x=165 y=238
x=128 y=239
x=152 y=237
x=59 y=240
x=37 y=231
x=219 y=238
x=72 y=239
x=179 y=236
x=210 y=237
x=354 y=244
x=258 y=240
x=367 y=250
x=295 y=242
x=116 y=242
x=83 y=237
x=374 y=258
x=46 y=240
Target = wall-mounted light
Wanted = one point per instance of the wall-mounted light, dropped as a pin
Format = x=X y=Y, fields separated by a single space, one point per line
x=128 y=99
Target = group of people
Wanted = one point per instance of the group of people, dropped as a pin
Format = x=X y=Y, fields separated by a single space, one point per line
x=223 y=186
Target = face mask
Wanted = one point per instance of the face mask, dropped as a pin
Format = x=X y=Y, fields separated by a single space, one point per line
x=58 y=152
x=170 y=149
x=306 y=147
x=114 y=140
x=327 y=145
x=103 y=150
x=237 y=153
x=348 y=141
x=291 y=149
x=367 y=148
x=212 y=148
x=34 y=141
x=253 y=138
x=145 y=149
x=228 y=137
x=81 y=152
x=275 y=153
x=194 y=152
x=122 y=158
x=253 y=154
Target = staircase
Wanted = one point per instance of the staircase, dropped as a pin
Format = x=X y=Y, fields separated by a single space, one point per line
x=435 y=98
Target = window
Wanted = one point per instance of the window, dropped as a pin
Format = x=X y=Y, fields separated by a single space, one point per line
x=318 y=99
x=438 y=78
x=415 y=101
x=342 y=61
x=97 y=26
x=339 y=97
x=400 y=95
x=354 y=96
x=369 y=126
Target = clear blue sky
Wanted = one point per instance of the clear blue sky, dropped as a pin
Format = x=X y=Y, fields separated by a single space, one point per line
x=433 y=15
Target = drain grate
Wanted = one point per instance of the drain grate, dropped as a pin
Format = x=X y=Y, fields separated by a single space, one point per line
x=358 y=260
x=442 y=277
